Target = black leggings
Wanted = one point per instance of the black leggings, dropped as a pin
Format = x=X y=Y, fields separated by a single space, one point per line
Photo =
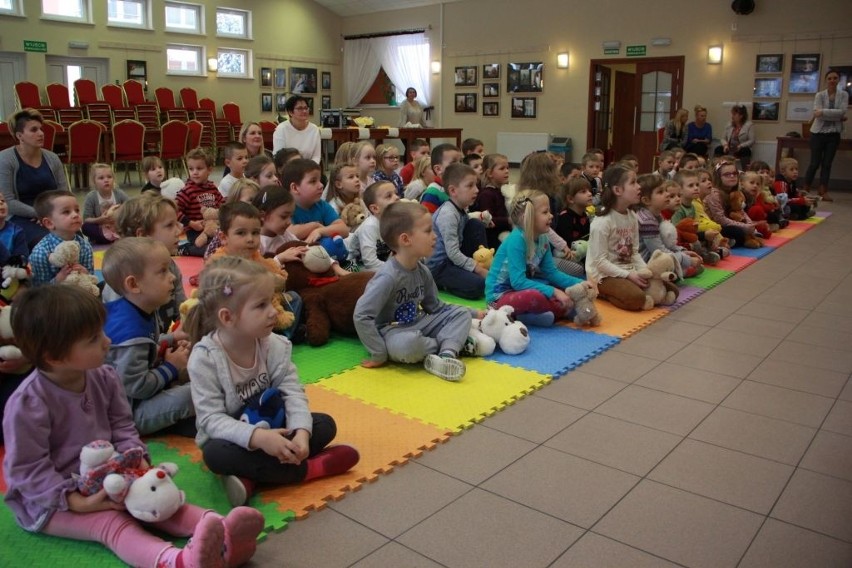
x=736 y=233
x=227 y=458
x=823 y=149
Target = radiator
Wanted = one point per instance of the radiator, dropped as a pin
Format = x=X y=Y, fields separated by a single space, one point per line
x=516 y=145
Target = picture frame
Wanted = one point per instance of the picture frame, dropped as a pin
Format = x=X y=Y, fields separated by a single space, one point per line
x=805 y=63
x=765 y=112
x=804 y=73
x=138 y=71
x=524 y=107
x=266 y=77
x=280 y=102
x=800 y=111
x=326 y=80
x=767 y=87
x=281 y=79
x=490 y=109
x=769 y=63
x=465 y=102
x=525 y=77
x=326 y=102
x=465 y=76
x=303 y=80
x=491 y=71
x=845 y=72
x=490 y=90
x=310 y=105
x=265 y=102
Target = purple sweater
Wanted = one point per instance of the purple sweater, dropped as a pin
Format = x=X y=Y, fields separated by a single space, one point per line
x=46 y=426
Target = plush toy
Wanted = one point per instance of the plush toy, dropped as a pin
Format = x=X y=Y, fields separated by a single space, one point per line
x=485 y=344
x=154 y=497
x=336 y=247
x=68 y=252
x=7 y=351
x=661 y=275
x=484 y=256
x=353 y=214
x=580 y=248
x=169 y=188
x=210 y=220
x=585 y=312
x=15 y=272
x=484 y=216
x=736 y=200
x=328 y=300
x=511 y=336
x=265 y=409
x=317 y=260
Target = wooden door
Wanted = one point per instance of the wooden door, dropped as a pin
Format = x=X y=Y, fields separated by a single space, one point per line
x=624 y=96
x=599 y=109
x=658 y=91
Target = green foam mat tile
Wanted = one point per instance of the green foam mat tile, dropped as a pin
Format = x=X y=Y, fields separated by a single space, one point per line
x=710 y=277
x=450 y=299
x=317 y=363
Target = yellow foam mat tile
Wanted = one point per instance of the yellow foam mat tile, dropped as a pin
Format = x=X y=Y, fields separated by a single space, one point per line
x=409 y=390
x=789 y=232
x=384 y=440
x=621 y=323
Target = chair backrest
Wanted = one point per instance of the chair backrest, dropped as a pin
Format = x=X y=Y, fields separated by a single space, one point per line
x=7 y=134
x=27 y=95
x=231 y=112
x=99 y=111
x=58 y=96
x=113 y=95
x=84 y=142
x=196 y=129
x=50 y=128
x=148 y=114
x=68 y=116
x=174 y=135
x=128 y=140
x=165 y=98
x=134 y=92
x=189 y=99
x=208 y=104
x=85 y=92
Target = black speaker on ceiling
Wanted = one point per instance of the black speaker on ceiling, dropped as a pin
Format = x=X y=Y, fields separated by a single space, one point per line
x=742 y=7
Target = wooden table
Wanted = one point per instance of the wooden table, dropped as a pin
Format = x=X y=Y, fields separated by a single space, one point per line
x=792 y=143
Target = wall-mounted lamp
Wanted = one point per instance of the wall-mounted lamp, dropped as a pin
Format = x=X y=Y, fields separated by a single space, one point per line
x=661 y=41
x=562 y=60
x=714 y=54
x=212 y=64
x=436 y=67
x=612 y=44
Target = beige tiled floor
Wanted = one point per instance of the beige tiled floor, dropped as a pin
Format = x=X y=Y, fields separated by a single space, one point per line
x=719 y=436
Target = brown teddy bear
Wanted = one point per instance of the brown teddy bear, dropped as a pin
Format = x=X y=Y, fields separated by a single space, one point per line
x=328 y=300
x=661 y=275
x=210 y=219
x=737 y=201
x=353 y=214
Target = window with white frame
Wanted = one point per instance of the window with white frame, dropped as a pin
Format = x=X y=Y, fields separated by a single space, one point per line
x=11 y=7
x=184 y=59
x=72 y=10
x=231 y=22
x=184 y=18
x=234 y=62
x=128 y=13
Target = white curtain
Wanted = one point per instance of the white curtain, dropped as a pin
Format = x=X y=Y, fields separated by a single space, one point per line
x=405 y=59
x=360 y=67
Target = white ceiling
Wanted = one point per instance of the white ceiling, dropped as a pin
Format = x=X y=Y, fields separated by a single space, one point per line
x=360 y=7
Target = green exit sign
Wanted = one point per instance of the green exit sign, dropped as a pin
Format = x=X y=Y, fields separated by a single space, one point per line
x=636 y=50
x=611 y=50
x=37 y=46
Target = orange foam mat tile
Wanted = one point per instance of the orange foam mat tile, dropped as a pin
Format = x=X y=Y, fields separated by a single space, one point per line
x=451 y=406
x=622 y=323
x=777 y=240
x=384 y=440
x=790 y=232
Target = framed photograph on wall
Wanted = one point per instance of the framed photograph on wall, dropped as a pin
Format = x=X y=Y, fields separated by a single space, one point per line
x=524 y=107
x=265 y=102
x=326 y=102
x=771 y=63
x=491 y=71
x=281 y=79
x=465 y=76
x=303 y=80
x=310 y=105
x=138 y=71
x=266 y=77
x=845 y=72
x=767 y=87
x=765 y=112
x=800 y=111
x=490 y=109
x=805 y=63
x=804 y=73
x=525 y=77
x=490 y=89
x=465 y=102
x=326 y=80
x=280 y=101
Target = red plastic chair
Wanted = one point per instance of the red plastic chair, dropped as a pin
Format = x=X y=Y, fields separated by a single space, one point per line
x=99 y=111
x=84 y=147
x=50 y=128
x=267 y=127
x=134 y=92
x=189 y=99
x=128 y=145
x=27 y=95
x=231 y=112
x=7 y=139
x=221 y=130
x=174 y=136
x=193 y=140
x=85 y=92
x=114 y=97
x=58 y=96
x=148 y=114
x=166 y=101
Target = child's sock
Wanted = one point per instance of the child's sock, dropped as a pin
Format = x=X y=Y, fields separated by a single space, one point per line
x=204 y=549
x=544 y=319
x=333 y=460
x=446 y=367
x=238 y=489
x=242 y=525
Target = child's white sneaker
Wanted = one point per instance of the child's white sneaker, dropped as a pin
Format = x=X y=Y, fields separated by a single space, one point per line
x=447 y=368
x=237 y=489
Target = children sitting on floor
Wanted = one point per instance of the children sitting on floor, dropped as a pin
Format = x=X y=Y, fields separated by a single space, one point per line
x=344 y=186
x=572 y=223
x=400 y=317
x=665 y=164
x=387 y=162
x=687 y=212
x=243 y=190
x=592 y=166
x=475 y=162
x=137 y=269
x=718 y=206
x=495 y=174
x=236 y=158
x=366 y=247
x=314 y=217
x=364 y=158
x=198 y=192
x=13 y=240
x=800 y=205
x=261 y=170
x=59 y=213
x=155 y=173
x=418 y=148
x=472 y=146
x=421 y=177
x=101 y=205
x=435 y=195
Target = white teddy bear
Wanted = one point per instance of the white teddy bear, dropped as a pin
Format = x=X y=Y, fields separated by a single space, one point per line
x=498 y=328
x=68 y=252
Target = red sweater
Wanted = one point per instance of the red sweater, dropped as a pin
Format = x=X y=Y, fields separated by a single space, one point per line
x=193 y=197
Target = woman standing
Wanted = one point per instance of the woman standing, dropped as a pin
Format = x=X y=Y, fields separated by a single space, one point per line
x=676 y=130
x=699 y=133
x=829 y=115
x=298 y=131
x=26 y=170
x=410 y=110
x=739 y=137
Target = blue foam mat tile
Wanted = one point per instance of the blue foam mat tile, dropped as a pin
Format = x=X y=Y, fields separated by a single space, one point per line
x=556 y=350
x=752 y=253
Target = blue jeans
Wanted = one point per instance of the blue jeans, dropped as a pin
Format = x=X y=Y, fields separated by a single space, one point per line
x=164 y=409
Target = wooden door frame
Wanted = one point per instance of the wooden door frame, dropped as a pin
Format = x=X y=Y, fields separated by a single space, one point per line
x=590 y=116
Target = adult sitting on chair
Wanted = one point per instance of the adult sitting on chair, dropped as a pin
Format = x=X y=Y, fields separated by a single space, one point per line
x=699 y=133
x=739 y=137
x=298 y=132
